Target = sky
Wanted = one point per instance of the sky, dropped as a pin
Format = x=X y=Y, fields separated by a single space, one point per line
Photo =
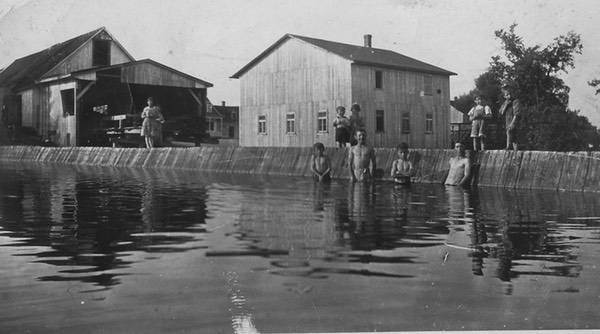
x=213 y=39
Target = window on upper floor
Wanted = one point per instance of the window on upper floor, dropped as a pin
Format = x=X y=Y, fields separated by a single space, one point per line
x=101 y=52
x=378 y=80
x=428 y=85
x=234 y=116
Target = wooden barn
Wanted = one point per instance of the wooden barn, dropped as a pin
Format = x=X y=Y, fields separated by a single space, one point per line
x=288 y=95
x=90 y=91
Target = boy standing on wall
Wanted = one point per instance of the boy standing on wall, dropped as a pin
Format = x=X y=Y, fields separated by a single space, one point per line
x=477 y=115
x=342 y=127
x=321 y=164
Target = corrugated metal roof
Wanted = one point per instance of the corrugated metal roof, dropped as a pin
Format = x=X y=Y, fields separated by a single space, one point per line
x=357 y=54
x=25 y=71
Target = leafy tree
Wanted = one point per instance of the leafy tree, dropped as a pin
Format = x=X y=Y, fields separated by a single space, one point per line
x=596 y=84
x=547 y=123
x=535 y=71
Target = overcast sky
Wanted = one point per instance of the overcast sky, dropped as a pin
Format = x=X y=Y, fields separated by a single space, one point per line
x=212 y=39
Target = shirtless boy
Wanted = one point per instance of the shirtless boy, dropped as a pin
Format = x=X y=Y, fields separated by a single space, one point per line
x=402 y=169
x=321 y=164
x=359 y=159
x=460 y=168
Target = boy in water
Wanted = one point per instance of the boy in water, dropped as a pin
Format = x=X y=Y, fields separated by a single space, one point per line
x=321 y=164
x=342 y=127
x=360 y=158
x=402 y=169
x=460 y=168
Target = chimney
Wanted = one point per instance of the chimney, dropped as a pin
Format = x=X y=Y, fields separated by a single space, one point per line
x=223 y=103
x=368 y=41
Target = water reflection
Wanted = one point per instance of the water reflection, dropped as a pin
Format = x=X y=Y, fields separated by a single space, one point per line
x=86 y=221
x=275 y=238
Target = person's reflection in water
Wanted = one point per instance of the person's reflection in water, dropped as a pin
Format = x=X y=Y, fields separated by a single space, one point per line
x=361 y=203
x=148 y=209
x=463 y=205
x=478 y=234
x=320 y=191
x=400 y=198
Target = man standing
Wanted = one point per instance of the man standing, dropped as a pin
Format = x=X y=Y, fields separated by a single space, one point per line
x=360 y=158
x=511 y=109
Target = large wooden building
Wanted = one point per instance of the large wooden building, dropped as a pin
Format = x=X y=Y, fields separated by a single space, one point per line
x=71 y=91
x=289 y=93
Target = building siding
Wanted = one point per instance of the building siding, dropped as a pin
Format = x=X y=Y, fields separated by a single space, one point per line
x=299 y=78
x=402 y=92
x=82 y=59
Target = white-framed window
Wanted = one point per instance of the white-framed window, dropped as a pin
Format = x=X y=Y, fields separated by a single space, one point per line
x=290 y=123
x=262 y=124
x=429 y=123
x=322 y=121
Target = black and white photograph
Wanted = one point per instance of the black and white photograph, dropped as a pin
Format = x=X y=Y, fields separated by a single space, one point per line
x=307 y=166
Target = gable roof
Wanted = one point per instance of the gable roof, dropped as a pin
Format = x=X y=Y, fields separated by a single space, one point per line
x=357 y=54
x=25 y=71
x=227 y=111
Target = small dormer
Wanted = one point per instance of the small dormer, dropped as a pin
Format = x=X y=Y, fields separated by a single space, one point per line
x=101 y=46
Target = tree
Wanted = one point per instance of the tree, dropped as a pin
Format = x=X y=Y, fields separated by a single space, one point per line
x=596 y=84
x=547 y=123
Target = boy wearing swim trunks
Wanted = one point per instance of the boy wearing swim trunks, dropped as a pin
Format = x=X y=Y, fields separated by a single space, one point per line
x=361 y=159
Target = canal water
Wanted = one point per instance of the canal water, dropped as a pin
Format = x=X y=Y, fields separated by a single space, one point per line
x=108 y=250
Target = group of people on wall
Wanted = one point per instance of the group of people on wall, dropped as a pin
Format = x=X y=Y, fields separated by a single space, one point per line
x=480 y=114
x=362 y=164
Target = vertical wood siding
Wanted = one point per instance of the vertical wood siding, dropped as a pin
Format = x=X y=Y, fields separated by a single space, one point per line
x=82 y=59
x=295 y=78
x=402 y=92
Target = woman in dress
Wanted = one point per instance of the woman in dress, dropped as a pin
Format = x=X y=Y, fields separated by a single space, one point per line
x=152 y=122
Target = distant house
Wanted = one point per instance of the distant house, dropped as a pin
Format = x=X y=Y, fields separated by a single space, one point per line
x=71 y=91
x=288 y=95
x=223 y=121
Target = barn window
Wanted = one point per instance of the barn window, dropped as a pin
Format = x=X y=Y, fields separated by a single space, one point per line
x=262 y=124
x=290 y=123
x=322 y=121
x=428 y=85
x=406 y=122
x=429 y=123
x=68 y=102
x=101 y=52
x=378 y=80
x=379 y=121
